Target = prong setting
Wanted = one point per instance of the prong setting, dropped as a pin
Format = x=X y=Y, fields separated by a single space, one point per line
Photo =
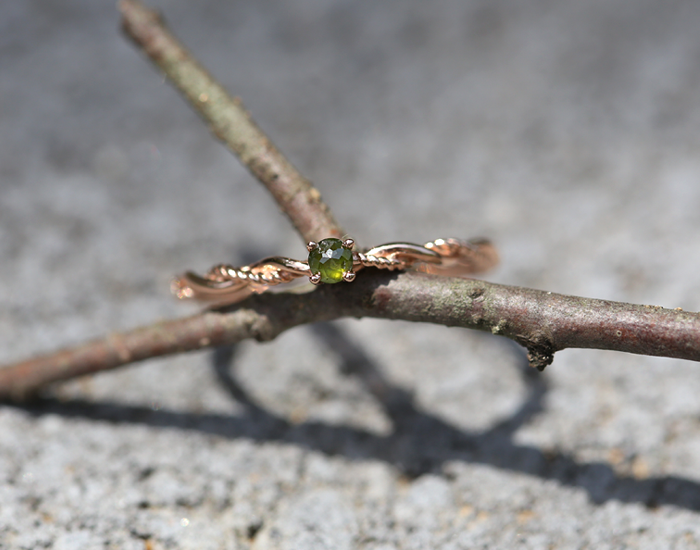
x=311 y=245
x=315 y=278
x=348 y=243
x=349 y=276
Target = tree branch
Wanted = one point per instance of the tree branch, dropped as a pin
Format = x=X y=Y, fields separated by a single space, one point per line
x=231 y=123
x=543 y=322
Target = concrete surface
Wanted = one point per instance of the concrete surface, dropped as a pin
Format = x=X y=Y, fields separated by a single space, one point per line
x=566 y=131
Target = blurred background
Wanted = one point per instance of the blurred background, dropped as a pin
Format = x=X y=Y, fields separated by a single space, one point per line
x=567 y=132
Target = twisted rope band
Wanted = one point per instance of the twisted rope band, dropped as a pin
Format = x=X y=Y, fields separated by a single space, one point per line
x=225 y=284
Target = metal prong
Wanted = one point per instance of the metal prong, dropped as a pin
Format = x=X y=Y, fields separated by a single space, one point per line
x=349 y=276
x=348 y=243
x=311 y=245
x=315 y=278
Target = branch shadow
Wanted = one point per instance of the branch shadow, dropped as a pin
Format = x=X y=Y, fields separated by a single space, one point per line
x=420 y=442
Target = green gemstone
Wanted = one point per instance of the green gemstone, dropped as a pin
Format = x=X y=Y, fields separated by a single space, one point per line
x=330 y=259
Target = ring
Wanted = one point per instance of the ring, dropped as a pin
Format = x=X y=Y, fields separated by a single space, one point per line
x=332 y=261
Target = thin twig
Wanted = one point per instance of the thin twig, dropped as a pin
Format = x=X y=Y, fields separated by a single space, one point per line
x=543 y=322
x=231 y=123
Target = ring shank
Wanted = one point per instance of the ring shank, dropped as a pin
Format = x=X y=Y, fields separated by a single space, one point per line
x=225 y=284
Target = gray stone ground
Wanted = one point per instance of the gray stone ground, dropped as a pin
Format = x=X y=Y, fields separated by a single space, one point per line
x=566 y=131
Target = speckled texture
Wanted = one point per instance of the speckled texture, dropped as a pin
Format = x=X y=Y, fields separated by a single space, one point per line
x=565 y=131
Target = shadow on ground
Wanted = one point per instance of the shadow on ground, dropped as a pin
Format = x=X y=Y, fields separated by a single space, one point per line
x=420 y=442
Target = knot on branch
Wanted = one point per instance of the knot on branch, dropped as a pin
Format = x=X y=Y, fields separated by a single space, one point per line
x=540 y=352
x=248 y=323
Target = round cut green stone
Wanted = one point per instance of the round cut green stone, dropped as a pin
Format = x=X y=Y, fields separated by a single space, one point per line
x=330 y=259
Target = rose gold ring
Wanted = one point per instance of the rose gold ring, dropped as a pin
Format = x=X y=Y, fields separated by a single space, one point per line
x=334 y=260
